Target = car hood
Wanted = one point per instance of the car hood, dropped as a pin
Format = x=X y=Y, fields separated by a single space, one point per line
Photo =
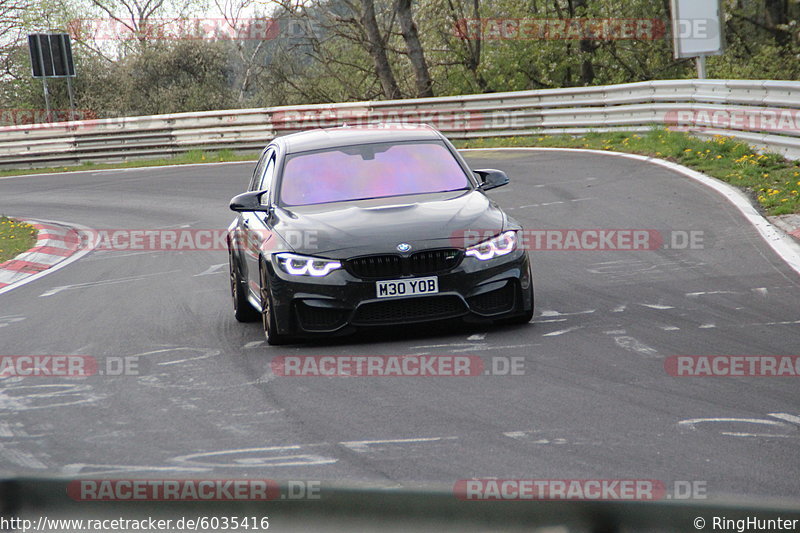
x=346 y=229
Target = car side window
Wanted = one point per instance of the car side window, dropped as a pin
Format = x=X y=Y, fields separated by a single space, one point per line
x=255 y=181
x=266 y=178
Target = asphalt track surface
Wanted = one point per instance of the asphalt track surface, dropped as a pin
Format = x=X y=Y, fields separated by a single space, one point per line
x=594 y=401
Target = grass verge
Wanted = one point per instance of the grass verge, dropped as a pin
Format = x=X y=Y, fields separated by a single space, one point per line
x=769 y=178
x=15 y=237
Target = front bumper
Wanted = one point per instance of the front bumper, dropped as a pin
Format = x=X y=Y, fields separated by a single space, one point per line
x=474 y=290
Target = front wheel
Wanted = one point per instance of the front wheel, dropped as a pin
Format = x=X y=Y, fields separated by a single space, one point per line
x=242 y=309
x=268 y=316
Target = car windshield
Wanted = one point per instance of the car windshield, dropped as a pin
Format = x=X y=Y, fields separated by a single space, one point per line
x=370 y=171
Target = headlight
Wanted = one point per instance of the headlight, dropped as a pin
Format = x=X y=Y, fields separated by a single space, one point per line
x=503 y=244
x=301 y=265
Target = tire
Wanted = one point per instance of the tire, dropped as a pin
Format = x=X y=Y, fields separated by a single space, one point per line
x=242 y=309
x=267 y=317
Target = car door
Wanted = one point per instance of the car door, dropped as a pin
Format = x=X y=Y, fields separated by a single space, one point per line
x=255 y=224
x=239 y=237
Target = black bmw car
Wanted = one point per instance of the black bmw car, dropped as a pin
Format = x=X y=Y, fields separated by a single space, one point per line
x=353 y=227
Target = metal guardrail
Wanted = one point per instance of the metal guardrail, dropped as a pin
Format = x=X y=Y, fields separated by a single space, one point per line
x=765 y=114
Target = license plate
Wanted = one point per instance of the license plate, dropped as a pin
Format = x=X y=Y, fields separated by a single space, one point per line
x=395 y=288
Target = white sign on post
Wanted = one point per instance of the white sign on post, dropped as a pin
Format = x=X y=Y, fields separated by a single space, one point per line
x=697 y=28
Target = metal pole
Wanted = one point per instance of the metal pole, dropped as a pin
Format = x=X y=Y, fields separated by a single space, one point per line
x=71 y=99
x=701 y=67
x=46 y=99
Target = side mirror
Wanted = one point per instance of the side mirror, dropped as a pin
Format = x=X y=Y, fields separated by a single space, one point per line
x=248 y=201
x=491 y=179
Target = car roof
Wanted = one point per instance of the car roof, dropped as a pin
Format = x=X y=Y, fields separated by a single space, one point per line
x=318 y=139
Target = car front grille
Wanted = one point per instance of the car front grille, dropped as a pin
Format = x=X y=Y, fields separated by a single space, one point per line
x=394 y=265
x=408 y=310
x=494 y=302
x=375 y=266
x=432 y=261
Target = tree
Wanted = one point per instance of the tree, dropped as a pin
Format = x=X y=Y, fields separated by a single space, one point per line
x=777 y=15
x=416 y=54
x=348 y=50
x=587 y=46
x=376 y=46
x=248 y=51
x=146 y=20
x=10 y=24
x=325 y=58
